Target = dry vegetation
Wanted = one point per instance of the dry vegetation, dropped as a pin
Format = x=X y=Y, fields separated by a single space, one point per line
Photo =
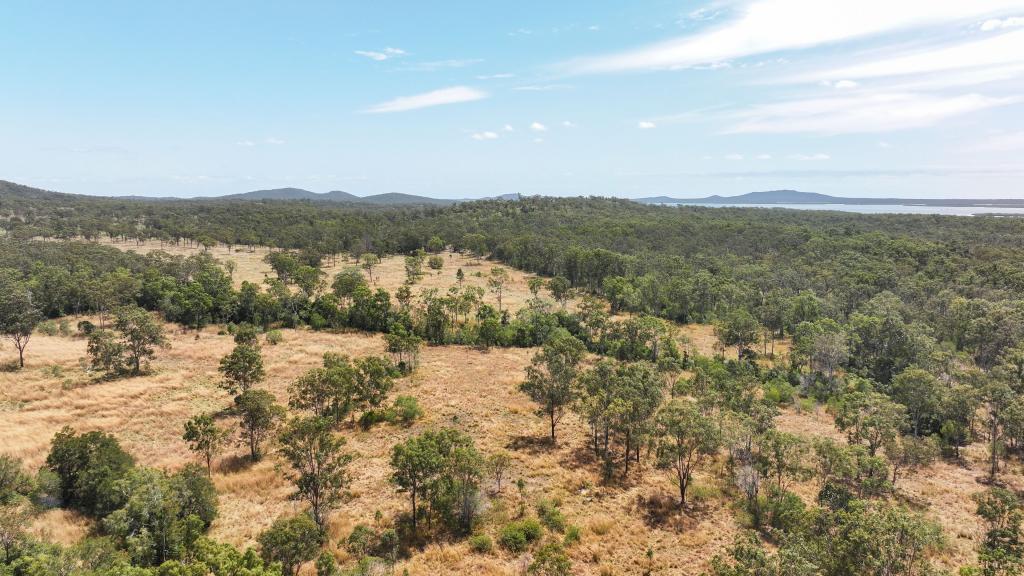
x=472 y=390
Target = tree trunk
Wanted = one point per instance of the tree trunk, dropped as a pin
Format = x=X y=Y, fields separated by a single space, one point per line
x=552 y=414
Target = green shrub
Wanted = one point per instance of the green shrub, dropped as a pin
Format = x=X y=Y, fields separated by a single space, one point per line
x=85 y=328
x=572 y=535
x=779 y=392
x=48 y=328
x=274 y=337
x=516 y=536
x=550 y=515
x=405 y=411
x=63 y=327
x=481 y=543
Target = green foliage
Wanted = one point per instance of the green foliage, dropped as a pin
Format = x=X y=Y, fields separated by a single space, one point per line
x=551 y=378
x=205 y=438
x=274 y=337
x=685 y=438
x=551 y=560
x=258 y=416
x=481 y=543
x=88 y=466
x=443 y=468
x=319 y=466
x=517 y=536
x=291 y=541
x=242 y=368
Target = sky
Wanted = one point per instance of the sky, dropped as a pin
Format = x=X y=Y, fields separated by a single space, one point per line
x=894 y=98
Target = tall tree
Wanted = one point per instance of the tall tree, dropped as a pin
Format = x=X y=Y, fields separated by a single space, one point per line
x=204 y=438
x=258 y=416
x=687 y=437
x=318 y=463
x=551 y=378
x=18 y=314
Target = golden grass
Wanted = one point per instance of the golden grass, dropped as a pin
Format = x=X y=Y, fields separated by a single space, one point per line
x=465 y=388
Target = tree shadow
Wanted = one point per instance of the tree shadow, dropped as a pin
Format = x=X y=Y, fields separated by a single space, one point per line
x=530 y=444
x=661 y=510
x=234 y=464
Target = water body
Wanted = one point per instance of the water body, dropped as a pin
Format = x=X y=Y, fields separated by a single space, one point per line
x=878 y=208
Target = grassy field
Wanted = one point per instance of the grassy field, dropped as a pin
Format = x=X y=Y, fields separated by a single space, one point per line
x=472 y=390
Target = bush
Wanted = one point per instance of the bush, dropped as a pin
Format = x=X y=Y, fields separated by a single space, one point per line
x=291 y=541
x=48 y=328
x=85 y=328
x=516 y=536
x=779 y=392
x=405 y=411
x=572 y=535
x=550 y=515
x=274 y=337
x=361 y=541
x=481 y=543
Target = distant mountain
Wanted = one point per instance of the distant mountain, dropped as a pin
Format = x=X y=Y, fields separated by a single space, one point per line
x=797 y=197
x=292 y=194
x=394 y=198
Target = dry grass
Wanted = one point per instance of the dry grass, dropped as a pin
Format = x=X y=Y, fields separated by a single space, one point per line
x=469 y=389
x=389 y=274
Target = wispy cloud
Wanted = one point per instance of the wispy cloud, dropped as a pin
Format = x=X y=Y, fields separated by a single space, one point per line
x=861 y=113
x=273 y=141
x=646 y=125
x=452 y=95
x=498 y=76
x=997 y=24
x=766 y=26
x=538 y=127
x=810 y=157
x=385 y=54
x=487 y=135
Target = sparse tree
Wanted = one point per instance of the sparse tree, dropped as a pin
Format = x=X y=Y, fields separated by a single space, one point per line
x=18 y=314
x=370 y=261
x=870 y=418
x=740 y=329
x=140 y=335
x=686 y=438
x=242 y=368
x=496 y=282
x=319 y=465
x=551 y=378
x=498 y=464
x=560 y=289
x=204 y=438
x=258 y=416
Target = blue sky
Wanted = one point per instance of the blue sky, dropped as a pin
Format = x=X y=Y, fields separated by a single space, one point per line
x=908 y=98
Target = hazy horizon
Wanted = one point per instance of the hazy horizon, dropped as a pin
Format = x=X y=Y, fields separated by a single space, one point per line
x=908 y=99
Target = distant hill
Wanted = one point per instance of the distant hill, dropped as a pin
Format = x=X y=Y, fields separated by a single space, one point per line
x=797 y=197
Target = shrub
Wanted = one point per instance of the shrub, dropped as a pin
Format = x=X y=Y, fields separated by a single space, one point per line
x=481 y=543
x=406 y=410
x=63 y=327
x=516 y=536
x=274 y=337
x=550 y=515
x=361 y=541
x=551 y=560
x=85 y=328
x=572 y=535
x=48 y=328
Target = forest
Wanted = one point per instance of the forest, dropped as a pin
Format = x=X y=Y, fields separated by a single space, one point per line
x=905 y=334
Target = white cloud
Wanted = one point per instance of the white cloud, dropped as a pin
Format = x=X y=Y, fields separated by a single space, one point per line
x=272 y=140
x=884 y=145
x=495 y=76
x=845 y=84
x=246 y=143
x=508 y=128
x=763 y=156
x=453 y=95
x=996 y=51
x=862 y=113
x=645 y=125
x=997 y=24
x=538 y=127
x=385 y=54
x=766 y=26
x=488 y=135
x=567 y=124
x=733 y=156
x=810 y=157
